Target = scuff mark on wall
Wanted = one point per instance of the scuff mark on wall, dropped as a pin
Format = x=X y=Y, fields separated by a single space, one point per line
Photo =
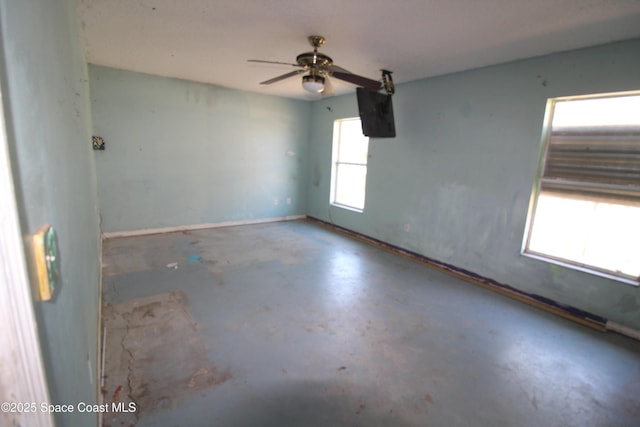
x=474 y=218
x=627 y=304
x=465 y=109
x=317 y=176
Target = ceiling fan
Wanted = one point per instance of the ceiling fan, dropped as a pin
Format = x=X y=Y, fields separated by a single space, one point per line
x=319 y=68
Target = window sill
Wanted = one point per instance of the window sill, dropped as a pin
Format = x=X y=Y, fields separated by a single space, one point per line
x=348 y=208
x=581 y=267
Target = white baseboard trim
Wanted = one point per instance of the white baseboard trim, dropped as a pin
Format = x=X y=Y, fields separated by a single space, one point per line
x=623 y=330
x=147 y=231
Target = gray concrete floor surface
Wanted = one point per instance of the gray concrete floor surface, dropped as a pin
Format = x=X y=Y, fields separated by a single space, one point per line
x=291 y=324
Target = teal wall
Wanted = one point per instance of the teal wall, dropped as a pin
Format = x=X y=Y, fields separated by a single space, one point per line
x=462 y=167
x=184 y=153
x=46 y=101
x=459 y=173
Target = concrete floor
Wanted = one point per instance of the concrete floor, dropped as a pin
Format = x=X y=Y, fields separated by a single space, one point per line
x=289 y=324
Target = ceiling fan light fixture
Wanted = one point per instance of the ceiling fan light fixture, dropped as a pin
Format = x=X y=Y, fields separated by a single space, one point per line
x=319 y=67
x=313 y=83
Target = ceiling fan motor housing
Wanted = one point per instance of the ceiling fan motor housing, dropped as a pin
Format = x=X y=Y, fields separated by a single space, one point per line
x=315 y=63
x=311 y=59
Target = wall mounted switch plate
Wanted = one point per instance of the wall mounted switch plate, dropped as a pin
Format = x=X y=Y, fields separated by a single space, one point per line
x=47 y=259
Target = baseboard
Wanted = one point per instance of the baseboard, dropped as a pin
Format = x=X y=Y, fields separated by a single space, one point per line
x=568 y=312
x=623 y=330
x=147 y=231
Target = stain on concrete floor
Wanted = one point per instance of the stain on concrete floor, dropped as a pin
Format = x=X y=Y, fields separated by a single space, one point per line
x=321 y=330
x=155 y=357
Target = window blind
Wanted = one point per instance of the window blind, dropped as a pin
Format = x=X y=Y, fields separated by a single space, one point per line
x=593 y=162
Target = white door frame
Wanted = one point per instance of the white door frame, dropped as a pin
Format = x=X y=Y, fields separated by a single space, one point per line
x=22 y=375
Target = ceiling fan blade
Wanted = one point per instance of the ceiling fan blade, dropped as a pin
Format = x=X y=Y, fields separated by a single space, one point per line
x=282 y=77
x=358 y=80
x=273 y=62
x=333 y=68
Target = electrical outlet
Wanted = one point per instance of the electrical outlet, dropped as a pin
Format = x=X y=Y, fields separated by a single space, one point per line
x=288 y=200
x=407 y=227
x=275 y=201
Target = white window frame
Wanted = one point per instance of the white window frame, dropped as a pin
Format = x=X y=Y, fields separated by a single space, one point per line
x=338 y=139
x=572 y=264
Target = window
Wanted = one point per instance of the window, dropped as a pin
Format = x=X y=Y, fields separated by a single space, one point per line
x=585 y=209
x=349 y=164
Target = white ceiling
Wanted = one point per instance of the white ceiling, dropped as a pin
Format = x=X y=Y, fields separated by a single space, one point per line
x=211 y=40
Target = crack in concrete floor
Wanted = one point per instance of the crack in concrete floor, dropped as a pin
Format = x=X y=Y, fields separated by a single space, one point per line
x=154 y=358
